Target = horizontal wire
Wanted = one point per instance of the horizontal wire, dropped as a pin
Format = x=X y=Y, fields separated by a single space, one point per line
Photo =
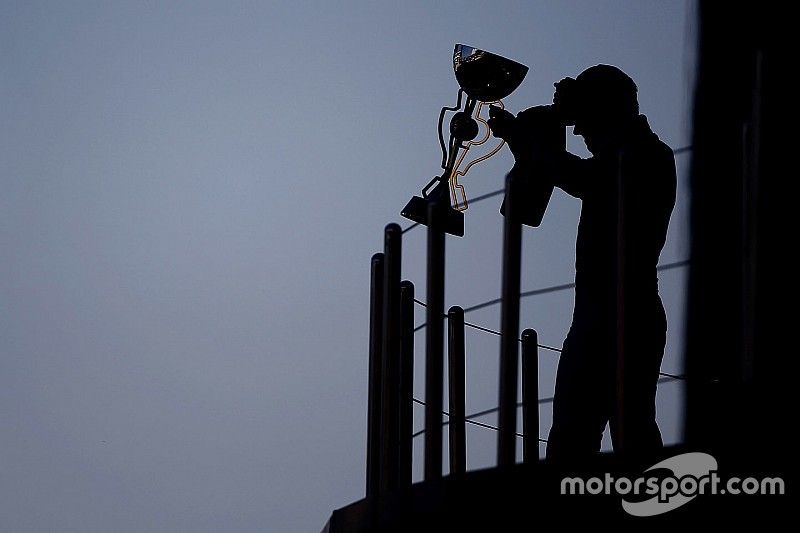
x=543 y=346
x=501 y=191
x=481 y=328
x=666 y=379
x=468 y=421
x=553 y=288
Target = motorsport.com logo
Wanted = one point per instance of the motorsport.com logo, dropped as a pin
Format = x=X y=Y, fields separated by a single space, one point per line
x=693 y=474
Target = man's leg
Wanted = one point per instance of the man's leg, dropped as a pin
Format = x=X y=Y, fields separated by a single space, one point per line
x=637 y=436
x=582 y=403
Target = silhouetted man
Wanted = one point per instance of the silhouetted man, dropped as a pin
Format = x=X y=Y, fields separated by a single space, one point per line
x=608 y=370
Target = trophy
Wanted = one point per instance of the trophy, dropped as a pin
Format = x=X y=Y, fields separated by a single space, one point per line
x=485 y=79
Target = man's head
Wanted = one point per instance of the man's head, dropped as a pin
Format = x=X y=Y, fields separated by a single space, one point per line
x=601 y=102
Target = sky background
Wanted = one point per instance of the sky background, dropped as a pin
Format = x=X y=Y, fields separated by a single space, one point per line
x=191 y=194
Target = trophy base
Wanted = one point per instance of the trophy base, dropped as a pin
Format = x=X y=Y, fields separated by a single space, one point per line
x=417 y=210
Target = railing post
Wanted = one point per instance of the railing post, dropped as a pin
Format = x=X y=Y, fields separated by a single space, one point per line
x=456 y=380
x=434 y=340
x=530 y=396
x=620 y=444
x=375 y=382
x=390 y=397
x=509 y=327
x=406 y=381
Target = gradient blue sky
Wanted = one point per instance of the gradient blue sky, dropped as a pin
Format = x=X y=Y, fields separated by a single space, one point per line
x=191 y=193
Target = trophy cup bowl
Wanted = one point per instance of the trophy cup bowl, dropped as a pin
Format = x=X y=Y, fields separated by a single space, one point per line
x=485 y=78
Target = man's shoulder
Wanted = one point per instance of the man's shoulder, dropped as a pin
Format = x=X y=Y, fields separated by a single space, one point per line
x=653 y=159
x=662 y=149
x=647 y=141
x=652 y=151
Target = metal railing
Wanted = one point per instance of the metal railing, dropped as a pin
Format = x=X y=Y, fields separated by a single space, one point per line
x=391 y=361
x=391 y=358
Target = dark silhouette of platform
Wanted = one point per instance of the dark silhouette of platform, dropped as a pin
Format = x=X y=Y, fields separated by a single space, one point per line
x=527 y=497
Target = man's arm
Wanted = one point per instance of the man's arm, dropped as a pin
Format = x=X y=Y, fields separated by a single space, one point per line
x=569 y=173
x=536 y=138
x=566 y=171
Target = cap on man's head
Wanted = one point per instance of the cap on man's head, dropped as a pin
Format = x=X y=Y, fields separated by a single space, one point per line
x=606 y=91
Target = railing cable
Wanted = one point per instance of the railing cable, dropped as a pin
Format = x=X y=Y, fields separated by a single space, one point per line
x=470 y=417
x=501 y=191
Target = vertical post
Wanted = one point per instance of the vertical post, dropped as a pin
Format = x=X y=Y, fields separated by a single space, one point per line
x=390 y=398
x=751 y=153
x=406 y=381
x=620 y=443
x=375 y=382
x=456 y=380
x=530 y=396
x=509 y=328
x=434 y=340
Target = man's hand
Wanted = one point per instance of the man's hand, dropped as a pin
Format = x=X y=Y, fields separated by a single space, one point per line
x=565 y=100
x=507 y=127
x=501 y=122
x=534 y=133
